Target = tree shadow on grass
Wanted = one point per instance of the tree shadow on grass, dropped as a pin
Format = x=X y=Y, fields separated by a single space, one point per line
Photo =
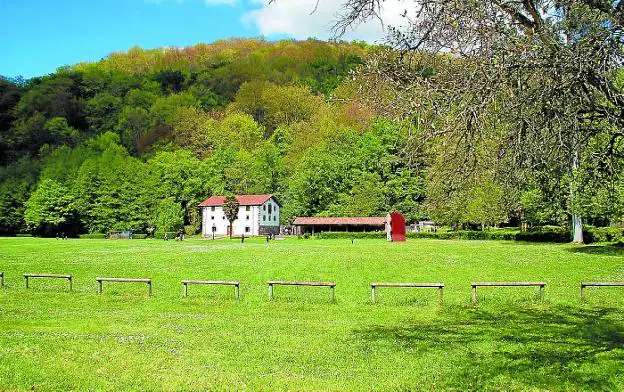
x=556 y=348
x=607 y=250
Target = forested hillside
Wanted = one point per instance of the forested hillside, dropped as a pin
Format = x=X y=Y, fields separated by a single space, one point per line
x=138 y=139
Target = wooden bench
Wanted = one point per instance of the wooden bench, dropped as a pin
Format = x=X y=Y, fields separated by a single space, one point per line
x=53 y=276
x=331 y=286
x=125 y=280
x=506 y=284
x=439 y=286
x=599 y=284
x=212 y=282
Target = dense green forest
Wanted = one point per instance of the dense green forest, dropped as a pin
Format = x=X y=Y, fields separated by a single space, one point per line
x=138 y=139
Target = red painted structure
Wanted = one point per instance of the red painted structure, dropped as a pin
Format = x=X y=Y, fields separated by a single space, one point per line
x=397 y=227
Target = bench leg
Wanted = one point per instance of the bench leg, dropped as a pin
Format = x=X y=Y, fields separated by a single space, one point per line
x=373 y=293
x=474 y=294
x=99 y=289
x=440 y=295
x=270 y=292
x=185 y=289
x=237 y=287
x=26 y=277
x=149 y=289
x=541 y=293
x=331 y=294
x=582 y=293
x=70 y=284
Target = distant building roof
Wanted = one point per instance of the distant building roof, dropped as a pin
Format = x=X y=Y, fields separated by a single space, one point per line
x=244 y=200
x=341 y=221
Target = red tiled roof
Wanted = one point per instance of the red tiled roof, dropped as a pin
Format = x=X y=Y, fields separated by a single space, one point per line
x=244 y=200
x=342 y=221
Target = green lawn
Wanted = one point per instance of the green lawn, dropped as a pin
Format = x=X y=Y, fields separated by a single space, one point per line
x=53 y=339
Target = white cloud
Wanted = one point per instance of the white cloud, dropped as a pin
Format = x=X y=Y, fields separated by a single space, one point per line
x=299 y=19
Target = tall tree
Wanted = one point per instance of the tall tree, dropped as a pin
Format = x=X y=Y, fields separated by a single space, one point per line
x=169 y=217
x=230 y=209
x=51 y=208
x=542 y=70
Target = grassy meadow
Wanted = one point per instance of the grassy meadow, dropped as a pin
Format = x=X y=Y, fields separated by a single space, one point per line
x=53 y=339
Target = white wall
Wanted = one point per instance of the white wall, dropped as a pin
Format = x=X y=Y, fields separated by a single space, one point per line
x=254 y=218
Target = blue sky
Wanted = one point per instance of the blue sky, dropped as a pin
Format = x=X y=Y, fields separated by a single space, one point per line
x=38 y=36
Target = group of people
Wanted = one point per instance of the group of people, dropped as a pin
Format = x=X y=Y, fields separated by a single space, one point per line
x=63 y=236
x=179 y=237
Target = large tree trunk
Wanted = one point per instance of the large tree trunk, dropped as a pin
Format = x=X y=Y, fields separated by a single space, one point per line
x=577 y=229
x=577 y=221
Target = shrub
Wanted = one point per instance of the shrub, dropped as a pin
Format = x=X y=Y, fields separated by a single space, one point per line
x=159 y=234
x=502 y=234
x=472 y=235
x=139 y=236
x=191 y=230
x=94 y=236
x=441 y=235
x=350 y=235
x=23 y=235
x=603 y=234
x=543 y=234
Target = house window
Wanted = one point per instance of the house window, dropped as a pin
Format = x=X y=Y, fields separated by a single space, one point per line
x=270 y=206
x=212 y=208
x=264 y=207
x=223 y=217
x=246 y=229
x=275 y=218
x=248 y=208
x=247 y=217
x=263 y=217
x=212 y=217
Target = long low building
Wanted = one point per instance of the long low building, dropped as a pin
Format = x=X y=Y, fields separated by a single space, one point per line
x=393 y=225
x=316 y=224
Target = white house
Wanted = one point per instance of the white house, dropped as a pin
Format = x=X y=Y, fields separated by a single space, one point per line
x=257 y=215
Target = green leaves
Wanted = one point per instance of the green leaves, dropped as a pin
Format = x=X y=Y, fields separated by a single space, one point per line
x=50 y=207
x=230 y=210
x=169 y=216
